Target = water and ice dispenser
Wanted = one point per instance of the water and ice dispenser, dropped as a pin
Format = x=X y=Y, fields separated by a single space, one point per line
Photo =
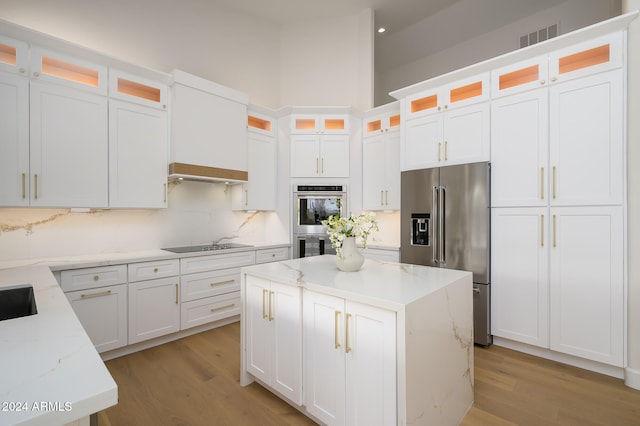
x=420 y=232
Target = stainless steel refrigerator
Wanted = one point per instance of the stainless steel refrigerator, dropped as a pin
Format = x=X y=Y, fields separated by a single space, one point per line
x=445 y=219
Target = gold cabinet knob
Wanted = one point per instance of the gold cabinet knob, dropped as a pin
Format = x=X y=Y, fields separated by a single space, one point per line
x=96 y=277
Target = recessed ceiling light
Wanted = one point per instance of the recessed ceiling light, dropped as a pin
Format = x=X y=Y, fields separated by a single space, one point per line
x=381 y=30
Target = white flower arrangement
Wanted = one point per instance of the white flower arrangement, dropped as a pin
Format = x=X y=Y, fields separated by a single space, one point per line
x=340 y=228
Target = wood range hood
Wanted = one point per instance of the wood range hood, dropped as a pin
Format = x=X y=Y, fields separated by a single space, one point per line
x=182 y=171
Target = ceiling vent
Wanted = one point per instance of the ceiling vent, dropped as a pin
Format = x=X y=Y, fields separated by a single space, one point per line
x=537 y=36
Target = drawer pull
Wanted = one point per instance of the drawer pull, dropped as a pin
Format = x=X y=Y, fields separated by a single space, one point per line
x=223 y=308
x=96 y=277
x=155 y=269
x=90 y=295
x=222 y=282
x=177 y=292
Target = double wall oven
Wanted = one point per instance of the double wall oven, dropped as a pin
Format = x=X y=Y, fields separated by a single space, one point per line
x=311 y=205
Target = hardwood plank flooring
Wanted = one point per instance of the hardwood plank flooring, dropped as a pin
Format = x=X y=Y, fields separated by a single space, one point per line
x=195 y=381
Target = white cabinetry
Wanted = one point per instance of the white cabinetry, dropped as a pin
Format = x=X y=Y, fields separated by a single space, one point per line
x=98 y=297
x=259 y=193
x=558 y=172
x=210 y=287
x=319 y=146
x=274 y=335
x=381 y=162
x=350 y=361
x=446 y=125
x=154 y=299
x=14 y=134
x=137 y=142
x=209 y=128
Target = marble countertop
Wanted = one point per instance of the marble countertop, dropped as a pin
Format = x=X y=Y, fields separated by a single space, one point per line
x=386 y=285
x=118 y=258
x=50 y=371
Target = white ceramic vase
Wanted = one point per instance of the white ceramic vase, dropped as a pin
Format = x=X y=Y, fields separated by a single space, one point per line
x=350 y=258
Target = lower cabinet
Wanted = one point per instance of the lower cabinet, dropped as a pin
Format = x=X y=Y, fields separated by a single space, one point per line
x=103 y=314
x=274 y=335
x=154 y=304
x=154 y=308
x=557 y=279
x=350 y=361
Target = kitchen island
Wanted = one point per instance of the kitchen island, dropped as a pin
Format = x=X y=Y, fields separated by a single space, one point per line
x=50 y=371
x=389 y=344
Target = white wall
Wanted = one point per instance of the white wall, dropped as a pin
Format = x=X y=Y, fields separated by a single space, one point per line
x=328 y=63
x=571 y=15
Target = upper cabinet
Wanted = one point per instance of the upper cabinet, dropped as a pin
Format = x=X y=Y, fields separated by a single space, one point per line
x=320 y=145
x=77 y=132
x=521 y=76
x=209 y=129
x=259 y=193
x=14 y=56
x=381 y=159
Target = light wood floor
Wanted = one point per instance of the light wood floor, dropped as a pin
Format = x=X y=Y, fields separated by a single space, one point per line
x=195 y=381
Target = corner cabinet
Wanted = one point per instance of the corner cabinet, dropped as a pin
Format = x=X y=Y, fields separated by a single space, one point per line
x=274 y=335
x=319 y=145
x=350 y=361
x=381 y=162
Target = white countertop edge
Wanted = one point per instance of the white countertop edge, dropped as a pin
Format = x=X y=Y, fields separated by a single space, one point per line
x=119 y=258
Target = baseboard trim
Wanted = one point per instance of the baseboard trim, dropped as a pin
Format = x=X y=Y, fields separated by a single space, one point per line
x=598 y=367
x=632 y=378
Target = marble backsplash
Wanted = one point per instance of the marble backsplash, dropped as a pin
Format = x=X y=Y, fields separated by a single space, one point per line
x=198 y=213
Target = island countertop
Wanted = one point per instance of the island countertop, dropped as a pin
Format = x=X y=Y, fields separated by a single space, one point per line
x=387 y=285
x=51 y=372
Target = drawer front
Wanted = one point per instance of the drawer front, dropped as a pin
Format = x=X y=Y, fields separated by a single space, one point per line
x=189 y=265
x=272 y=255
x=210 y=283
x=151 y=270
x=88 y=278
x=203 y=311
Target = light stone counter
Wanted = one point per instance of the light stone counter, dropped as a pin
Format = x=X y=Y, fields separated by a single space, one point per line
x=433 y=310
x=50 y=372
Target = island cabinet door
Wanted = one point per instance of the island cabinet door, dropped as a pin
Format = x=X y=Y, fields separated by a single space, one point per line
x=274 y=336
x=350 y=361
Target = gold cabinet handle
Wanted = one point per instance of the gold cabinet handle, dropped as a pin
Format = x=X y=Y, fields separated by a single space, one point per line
x=542 y=183
x=265 y=292
x=381 y=197
x=386 y=197
x=90 y=295
x=177 y=293
x=246 y=197
x=542 y=231
x=554 y=231
x=322 y=165
x=222 y=282
x=347 y=348
x=335 y=332
x=554 y=182
x=35 y=186
x=222 y=308
x=439 y=147
x=446 y=145
x=271 y=317
x=317 y=164
x=165 y=192
x=24 y=186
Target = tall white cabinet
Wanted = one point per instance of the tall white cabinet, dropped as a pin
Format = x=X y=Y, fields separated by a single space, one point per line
x=557 y=152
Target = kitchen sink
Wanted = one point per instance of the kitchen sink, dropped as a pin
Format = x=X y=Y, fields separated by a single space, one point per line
x=17 y=301
x=206 y=247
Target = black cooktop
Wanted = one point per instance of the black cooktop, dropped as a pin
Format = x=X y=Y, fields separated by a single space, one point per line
x=206 y=247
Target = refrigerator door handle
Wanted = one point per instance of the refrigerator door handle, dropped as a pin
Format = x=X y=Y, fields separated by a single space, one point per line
x=434 y=227
x=443 y=199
